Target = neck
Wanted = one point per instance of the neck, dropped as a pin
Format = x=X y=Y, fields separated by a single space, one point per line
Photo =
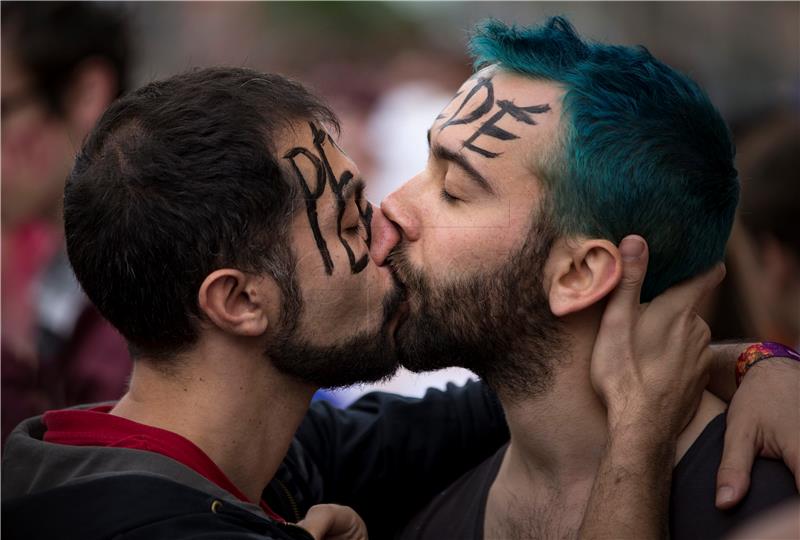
x=229 y=401
x=559 y=435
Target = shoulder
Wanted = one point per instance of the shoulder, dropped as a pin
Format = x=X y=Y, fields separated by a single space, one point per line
x=133 y=506
x=693 y=513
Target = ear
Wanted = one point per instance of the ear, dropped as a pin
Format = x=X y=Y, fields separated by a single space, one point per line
x=92 y=89
x=581 y=273
x=235 y=302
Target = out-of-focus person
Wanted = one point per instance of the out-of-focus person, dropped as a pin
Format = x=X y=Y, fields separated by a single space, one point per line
x=764 y=249
x=63 y=63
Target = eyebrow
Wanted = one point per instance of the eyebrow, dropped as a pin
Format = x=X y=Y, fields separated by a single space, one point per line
x=445 y=154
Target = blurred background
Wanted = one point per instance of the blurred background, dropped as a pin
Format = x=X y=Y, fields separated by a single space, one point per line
x=387 y=69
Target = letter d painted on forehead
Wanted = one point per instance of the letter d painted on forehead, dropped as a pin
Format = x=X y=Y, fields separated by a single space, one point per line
x=489 y=128
x=479 y=111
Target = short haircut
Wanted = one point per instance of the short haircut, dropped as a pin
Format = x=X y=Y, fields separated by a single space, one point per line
x=642 y=149
x=178 y=179
x=51 y=39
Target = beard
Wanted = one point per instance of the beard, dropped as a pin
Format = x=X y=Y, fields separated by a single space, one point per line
x=498 y=325
x=365 y=357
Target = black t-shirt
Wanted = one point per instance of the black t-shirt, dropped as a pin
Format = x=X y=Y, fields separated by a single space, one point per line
x=459 y=511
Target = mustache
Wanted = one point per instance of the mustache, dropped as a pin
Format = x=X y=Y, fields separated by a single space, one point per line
x=392 y=301
x=404 y=273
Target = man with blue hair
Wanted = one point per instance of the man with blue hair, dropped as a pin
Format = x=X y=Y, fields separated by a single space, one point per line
x=545 y=159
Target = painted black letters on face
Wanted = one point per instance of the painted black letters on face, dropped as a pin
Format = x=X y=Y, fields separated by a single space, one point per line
x=490 y=128
x=323 y=176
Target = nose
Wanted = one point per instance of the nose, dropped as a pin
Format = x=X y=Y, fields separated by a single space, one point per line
x=384 y=237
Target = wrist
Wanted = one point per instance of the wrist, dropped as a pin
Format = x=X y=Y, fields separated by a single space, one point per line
x=638 y=419
x=757 y=354
x=775 y=364
x=644 y=436
x=641 y=450
x=722 y=382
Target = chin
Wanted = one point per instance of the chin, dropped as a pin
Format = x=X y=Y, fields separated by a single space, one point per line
x=363 y=358
x=420 y=350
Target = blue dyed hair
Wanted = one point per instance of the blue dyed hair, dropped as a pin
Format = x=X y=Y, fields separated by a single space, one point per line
x=643 y=150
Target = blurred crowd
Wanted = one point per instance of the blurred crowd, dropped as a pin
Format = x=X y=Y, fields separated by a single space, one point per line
x=387 y=70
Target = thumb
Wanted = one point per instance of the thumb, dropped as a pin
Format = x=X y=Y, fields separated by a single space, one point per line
x=317 y=521
x=633 y=249
x=623 y=304
x=334 y=522
x=733 y=475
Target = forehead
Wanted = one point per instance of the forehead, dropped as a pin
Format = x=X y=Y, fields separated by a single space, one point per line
x=500 y=119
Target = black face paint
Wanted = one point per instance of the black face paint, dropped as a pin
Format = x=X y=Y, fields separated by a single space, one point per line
x=311 y=200
x=325 y=175
x=484 y=107
x=489 y=128
x=366 y=218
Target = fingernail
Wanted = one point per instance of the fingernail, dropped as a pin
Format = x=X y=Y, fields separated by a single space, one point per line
x=631 y=249
x=724 y=495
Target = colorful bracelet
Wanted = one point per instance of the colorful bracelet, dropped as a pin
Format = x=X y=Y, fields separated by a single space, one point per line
x=757 y=352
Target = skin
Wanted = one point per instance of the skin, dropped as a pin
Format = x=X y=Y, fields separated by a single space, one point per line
x=577 y=275
x=201 y=395
x=470 y=232
x=244 y=318
x=346 y=298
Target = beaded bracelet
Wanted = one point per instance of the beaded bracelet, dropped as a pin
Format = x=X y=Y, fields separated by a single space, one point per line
x=757 y=352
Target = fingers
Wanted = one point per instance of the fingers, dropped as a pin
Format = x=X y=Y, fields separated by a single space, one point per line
x=334 y=522
x=317 y=521
x=692 y=291
x=623 y=305
x=733 y=476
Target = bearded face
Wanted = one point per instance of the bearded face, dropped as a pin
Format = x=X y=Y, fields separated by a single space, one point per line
x=486 y=322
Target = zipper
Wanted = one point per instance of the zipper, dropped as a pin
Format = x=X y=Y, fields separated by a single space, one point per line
x=292 y=502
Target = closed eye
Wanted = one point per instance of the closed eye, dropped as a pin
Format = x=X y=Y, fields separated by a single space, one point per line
x=448 y=198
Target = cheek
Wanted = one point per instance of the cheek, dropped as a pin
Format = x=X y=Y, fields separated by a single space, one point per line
x=324 y=294
x=339 y=305
x=472 y=240
x=452 y=253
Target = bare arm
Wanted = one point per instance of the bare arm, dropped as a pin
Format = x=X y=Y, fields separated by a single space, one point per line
x=649 y=366
x=763 y=417
x=722 y=376
x=763 y=420
x=630 y=495
x=631 y=492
